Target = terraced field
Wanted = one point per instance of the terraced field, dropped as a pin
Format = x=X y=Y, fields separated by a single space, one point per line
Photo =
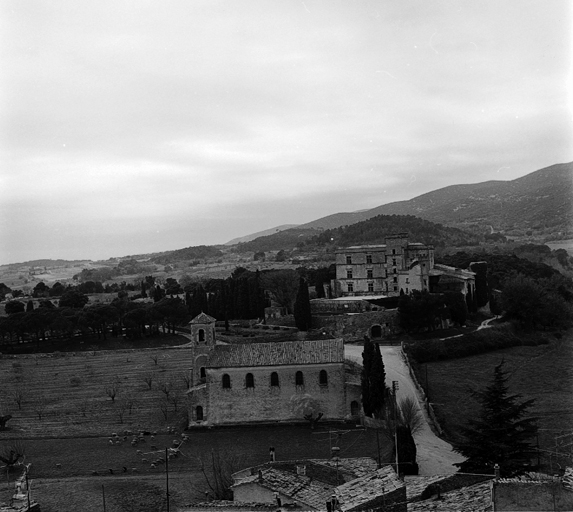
x=66 y=394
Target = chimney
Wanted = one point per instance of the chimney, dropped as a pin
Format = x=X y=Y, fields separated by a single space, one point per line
x=260 y=475
x=496 y=471
x=301 y=470
x=272 y=453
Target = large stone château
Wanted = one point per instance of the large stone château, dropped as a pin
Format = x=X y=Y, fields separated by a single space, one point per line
x=394 y=268
x=267 y=382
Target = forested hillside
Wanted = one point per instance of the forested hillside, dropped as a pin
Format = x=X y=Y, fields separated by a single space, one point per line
x=371 y=231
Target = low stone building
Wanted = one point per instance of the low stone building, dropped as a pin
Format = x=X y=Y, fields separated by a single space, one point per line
x=267 y=382
x=349 y=485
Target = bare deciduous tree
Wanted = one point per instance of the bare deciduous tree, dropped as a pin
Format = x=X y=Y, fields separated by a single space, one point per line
x=217 y=470
x=40 y=405
x=186 y=378
x=11 y=453
x=165 y=386
x=18 y=395
x=113 y=389
x=148 y=378
x=163 y=403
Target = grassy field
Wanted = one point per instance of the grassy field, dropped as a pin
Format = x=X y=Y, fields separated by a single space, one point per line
x=544 y=373
x=61 y=466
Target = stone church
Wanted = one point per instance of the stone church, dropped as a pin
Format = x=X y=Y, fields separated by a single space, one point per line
x=267 y=382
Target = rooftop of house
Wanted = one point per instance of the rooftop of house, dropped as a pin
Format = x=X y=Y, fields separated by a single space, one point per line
x=474 y=498
x=301 y=488
x=360 y=491
x=311 y=482
x=274 y=354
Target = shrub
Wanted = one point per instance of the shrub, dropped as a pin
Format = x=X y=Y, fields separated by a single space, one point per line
x=478 y=342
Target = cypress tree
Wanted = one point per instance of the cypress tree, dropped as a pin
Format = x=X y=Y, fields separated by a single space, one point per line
x=302 y=314
x=501 y=434
x=367 y=360
x=377 y=381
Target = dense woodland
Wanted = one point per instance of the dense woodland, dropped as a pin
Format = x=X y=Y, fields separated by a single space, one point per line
x=371 y=231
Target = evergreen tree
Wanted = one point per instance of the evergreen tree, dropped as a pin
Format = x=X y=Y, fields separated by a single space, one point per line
x=373 y=379
x=302 y=314
x=367 y=359
x=30 y=306
x=482 y=288
x=377 y=382
x=501 y=434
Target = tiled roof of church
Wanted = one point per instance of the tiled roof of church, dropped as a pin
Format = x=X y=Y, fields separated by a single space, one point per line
x=203 y=318
x=278 y=353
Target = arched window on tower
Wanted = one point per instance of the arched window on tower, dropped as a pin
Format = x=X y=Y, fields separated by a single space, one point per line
x=250 y=380
x=226 y=381
x=323 y=378
x=299 y=379
x=275 y=379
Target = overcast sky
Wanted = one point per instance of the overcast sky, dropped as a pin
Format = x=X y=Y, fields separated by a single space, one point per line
x=142 y=126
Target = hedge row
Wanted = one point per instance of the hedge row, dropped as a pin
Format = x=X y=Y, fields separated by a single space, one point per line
x=478 y=342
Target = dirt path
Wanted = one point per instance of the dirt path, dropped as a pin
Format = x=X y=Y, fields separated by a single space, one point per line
x=435 y=456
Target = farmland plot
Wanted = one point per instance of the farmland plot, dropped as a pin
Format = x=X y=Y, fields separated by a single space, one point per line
x=70 y=394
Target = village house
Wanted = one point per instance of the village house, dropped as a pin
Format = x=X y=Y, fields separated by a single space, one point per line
x=322 y=484
x=267 y=382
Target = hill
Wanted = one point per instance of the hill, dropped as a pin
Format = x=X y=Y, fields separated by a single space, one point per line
x=266 y=232
x=540 y=203
x=371 y=231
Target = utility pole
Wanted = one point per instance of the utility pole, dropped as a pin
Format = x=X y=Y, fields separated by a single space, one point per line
x=103 y=496
x=167 y=476
x=394 y=390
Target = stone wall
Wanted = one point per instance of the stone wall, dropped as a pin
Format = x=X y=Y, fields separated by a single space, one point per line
x=263 y=402
x=355 y=327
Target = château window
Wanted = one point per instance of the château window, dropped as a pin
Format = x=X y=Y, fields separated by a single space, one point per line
x=393 y=261
x=393 y=251
x=199 y=413
x=369 y=274
x=350 y=287
x=349 y=273
x=349 y=260
x=369 y=259
x=299 y=379
x=394 y=271
x=395 y=279
x=323 y=378
x=249 y=380
x=274 y=379
x=370 y=287
x=226 y=381
x=202 y=373
x=201 y=335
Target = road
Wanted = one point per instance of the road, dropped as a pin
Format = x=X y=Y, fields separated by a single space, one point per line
x=434 y=456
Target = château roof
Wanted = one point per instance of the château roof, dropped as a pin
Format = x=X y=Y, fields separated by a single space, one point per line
x=278 y=353
x=203 y=318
